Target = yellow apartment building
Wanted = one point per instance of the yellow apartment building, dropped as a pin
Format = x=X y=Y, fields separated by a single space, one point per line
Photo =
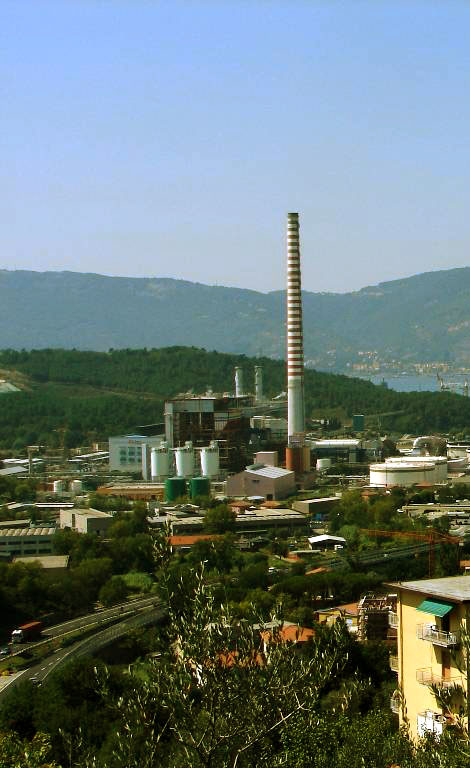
x=431 y=619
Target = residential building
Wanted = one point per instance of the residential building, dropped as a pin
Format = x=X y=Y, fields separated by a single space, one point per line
x=432 y=617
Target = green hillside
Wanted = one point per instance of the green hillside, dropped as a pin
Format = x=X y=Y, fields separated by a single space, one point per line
x=85 y=396
x=420 y=318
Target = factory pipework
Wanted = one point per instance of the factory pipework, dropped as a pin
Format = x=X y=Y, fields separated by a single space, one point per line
x=258 y=384
x=238 y=382
x=295 y=351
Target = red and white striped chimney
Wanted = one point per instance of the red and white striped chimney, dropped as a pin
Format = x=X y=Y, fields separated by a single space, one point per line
x=295 y=347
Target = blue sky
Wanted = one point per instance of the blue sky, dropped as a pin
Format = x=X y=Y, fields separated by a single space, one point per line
x=170 y=138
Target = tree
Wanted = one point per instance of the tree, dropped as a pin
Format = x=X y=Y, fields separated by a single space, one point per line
x=220 y=702
x=220 y=519
x=114 y=591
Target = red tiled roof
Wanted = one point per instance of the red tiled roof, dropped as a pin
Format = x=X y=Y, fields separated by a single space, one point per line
x=291 y=634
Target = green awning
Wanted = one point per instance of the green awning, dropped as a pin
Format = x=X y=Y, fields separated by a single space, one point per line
x=436 y=607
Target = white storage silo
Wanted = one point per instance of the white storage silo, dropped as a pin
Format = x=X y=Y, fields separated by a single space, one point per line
x=58 y=486
x=76 y=486
x=402 y=473
x=323 y=464
x=160 y=462
x=185 y=460
x=210 y=463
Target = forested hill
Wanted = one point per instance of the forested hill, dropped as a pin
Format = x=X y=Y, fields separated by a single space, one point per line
x=90 y=395
x=425 y=317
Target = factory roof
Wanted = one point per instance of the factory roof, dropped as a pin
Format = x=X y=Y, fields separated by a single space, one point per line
x=450 y=587
x=13 y=470
x=326 y=537
x=47 y=561
x=273 y=472
x=321 y=499
x=336 y=443
x=88 y=512
x=16 y=532
x=4 y=524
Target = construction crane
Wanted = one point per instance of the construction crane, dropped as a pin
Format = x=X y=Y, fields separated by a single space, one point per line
x=452 y=386
x=433 y=537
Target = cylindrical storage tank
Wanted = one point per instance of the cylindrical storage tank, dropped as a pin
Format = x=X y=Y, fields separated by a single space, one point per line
x=323 y=464
x=457 y=465
x=258 y=384
x=58 y=486
x=238 y=382
x=358 y=422
x=294 y=458
x=160 y=462
x=210 y=463
x=439 y=463
x=175 y=487
x=185 y=460
x=199 y=486
x=76 y=486
x=306 y=457
x=145 y=462
x=401 y=473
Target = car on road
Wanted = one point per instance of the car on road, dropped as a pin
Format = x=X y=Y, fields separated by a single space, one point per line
x=5 y=651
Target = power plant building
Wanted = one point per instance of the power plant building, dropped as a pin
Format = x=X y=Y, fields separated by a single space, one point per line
x=202 y=419
x=126 y=452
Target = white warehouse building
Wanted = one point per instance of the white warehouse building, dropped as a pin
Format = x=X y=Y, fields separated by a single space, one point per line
x=125 y=452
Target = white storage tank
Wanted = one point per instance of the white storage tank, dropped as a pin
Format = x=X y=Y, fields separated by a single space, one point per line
x=210 y=463
x=323 y=464
x=58 y=486
x=439 y=462
x=185 y=460
x=402 y=473
x=457 y=465
x=160 y=462
x=76 y=486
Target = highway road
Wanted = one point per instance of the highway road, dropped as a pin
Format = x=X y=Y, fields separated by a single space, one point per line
x=132 y=615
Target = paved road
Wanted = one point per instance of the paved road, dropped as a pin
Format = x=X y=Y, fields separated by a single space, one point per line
x=98 y=616
x=136 y=614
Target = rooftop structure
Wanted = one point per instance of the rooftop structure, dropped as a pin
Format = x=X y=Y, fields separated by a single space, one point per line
x=86 y=520
x=270 y=482
x=48 y=562
x=26 y=541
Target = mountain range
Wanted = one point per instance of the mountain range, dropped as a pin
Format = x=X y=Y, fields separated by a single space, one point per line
x=421 y=318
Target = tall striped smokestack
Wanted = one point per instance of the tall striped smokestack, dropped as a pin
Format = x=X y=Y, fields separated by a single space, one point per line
x=295 y=346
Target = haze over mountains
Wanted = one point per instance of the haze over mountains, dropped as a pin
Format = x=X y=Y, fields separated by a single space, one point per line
x=425 y=317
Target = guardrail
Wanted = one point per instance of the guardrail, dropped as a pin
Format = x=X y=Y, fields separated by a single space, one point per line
x=437 y=636
x=427 y=676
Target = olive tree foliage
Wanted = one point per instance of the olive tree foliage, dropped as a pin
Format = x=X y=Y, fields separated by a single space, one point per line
x=16 y=752
x=223 y=692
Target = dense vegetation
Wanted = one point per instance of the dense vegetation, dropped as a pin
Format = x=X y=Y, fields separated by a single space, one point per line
x=79 y=396
x=210 y=691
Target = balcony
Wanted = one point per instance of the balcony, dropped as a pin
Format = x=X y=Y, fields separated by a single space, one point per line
x=437 y=636
x=392 y=619
x=395 y=703
x=431 y=722
x=393 y=663
x=428 y=677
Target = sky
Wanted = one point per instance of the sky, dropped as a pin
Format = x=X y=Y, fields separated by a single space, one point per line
x=170 y=139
